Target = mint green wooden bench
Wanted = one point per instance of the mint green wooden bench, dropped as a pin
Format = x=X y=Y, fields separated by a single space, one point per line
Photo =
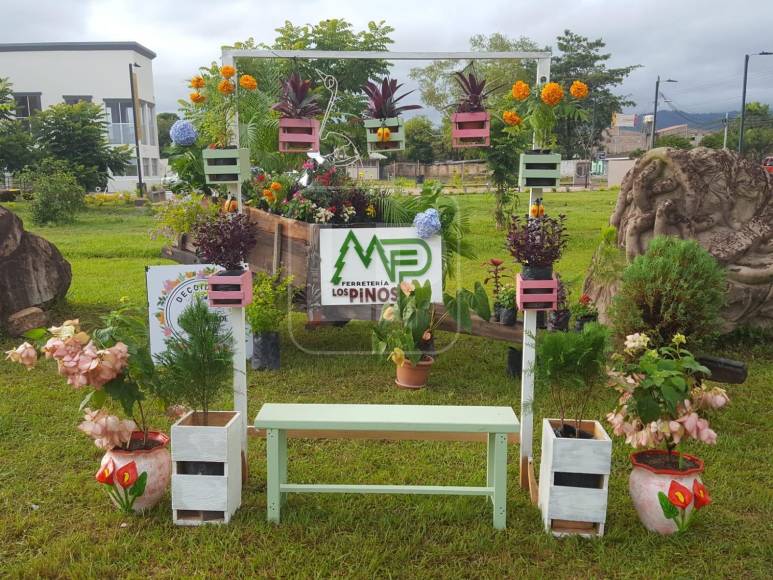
x=495 y=425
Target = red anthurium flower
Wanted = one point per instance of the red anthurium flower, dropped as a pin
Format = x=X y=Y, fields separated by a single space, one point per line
x=127 y=475
x=105 y=473
x=679 y=495
x=702 y=497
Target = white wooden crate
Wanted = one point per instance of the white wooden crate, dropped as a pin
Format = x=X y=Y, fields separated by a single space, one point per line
x=198 y=499
x=574 y=510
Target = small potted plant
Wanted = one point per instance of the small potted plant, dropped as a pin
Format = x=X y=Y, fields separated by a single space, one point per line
x=196 y=369
x=271 y=299
x=470 y=124
x=383 y=124
x=584 y=311
x=664 y=402
x=558 y=319
x=298 y=129
x=496 y=271
x=576 y=452
x=226 y=241
x=508 y=311
x=113 y=363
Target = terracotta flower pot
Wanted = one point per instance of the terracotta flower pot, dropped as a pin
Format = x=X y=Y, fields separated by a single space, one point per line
x=414 y=377
x=157 y=462
x=648 y=478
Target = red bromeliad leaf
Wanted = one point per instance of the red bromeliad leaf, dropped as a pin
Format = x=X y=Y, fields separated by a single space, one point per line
x=702 y=497
x=126 y=475
x=105 y=473
x=679 y=495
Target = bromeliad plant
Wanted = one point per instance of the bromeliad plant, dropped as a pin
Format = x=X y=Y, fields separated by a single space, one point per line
x=474 y=93
x=383 y=99
x=297 y=100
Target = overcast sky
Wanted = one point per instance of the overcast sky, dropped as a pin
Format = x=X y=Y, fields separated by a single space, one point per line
x=700 y=43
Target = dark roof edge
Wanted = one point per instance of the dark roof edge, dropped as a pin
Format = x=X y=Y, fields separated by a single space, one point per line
x=54 y=46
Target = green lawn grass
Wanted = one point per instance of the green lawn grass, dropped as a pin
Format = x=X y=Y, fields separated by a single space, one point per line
x=55 y=520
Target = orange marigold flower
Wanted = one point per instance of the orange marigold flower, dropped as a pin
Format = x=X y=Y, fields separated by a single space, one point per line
x=521 y=91
x=276 y=186
x=579 y=90
x=197 y=82
x=248 y=82
x=511 y=118
x=551 y=94
x=227 y=71
x=225 y=87
x=268 y=195
x=197 y=97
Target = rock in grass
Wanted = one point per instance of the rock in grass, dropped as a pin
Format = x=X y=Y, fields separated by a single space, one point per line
x=26 y=319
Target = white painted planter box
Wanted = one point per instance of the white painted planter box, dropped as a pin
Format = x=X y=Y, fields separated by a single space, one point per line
x=567 y=509
x=199 y=499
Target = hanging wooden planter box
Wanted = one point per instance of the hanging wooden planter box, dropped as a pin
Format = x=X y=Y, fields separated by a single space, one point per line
x=539 y=170
x=574 y=480
x=230 y=288
x=298 y=135
x=206 y=468
x=224 y=166
x=536 y=294
x=470 y=130
x=396 y=141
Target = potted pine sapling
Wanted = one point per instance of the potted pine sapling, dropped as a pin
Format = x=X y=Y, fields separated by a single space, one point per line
x=584 y=311
x=663 y=402
x=576 y=452
x=470 y=124
x=271 y=300
x=226 y=241
x=196 y=369
x=383 y=124
x=298 y=129
x=558 y=319
x=496 y=272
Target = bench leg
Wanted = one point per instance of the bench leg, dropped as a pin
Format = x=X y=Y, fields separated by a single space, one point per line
x=274 y=453
x=490 y=464
x=500 y=481
x=283 y=463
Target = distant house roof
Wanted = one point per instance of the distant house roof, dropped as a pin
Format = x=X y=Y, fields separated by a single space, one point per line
x=55 y=46
x=673 y=129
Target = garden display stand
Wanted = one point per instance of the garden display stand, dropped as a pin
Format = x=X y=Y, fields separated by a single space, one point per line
x=470 y=130
x=396 y=141
x=298 y=135
x=226 y=166
x=539 y=170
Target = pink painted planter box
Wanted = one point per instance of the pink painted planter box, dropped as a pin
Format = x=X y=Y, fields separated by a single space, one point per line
x=230 y=291
x=541 y=292
x=470 y=130
x=298 y=135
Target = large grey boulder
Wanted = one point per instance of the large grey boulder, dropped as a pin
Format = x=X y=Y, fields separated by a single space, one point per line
x=32 y=270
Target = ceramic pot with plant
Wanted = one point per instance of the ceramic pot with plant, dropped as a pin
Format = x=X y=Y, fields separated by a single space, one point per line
x=271 y=301
x=496 y=274
x=584 y=311
x=508 y=312
x=664 y=402
x=195 y=370
x=298 y=105
x=576 y=452
x=383 y=124
x=470 y=124
x=114 y=363
x=537 y=244
x=226 y=241
x=558 y=319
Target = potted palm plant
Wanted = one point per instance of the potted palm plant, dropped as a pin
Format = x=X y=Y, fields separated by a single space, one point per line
x=298 y=129
x=664 y=402
x=470 y=124
x=271 y=299
x=195 y=370
x=226 y=241
x=576 y=452
x=383 y=124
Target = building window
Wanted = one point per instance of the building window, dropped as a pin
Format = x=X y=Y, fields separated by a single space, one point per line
x=131 y=169
x=148 y=123
x=27 y=104
x=145 y=166
x=120 y=121
x=154 y=166
x=75 y=99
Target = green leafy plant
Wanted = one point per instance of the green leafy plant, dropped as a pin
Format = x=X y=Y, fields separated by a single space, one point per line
x=180 y=215
x=608 y=260
x=570 y=365
x=57 y=195
x=271 y=301
x=197 y=365
x=674 y=287
x=584 y=308
x=506 y=296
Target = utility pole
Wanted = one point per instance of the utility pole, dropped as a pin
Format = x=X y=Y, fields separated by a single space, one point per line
x=136 y=116
x=743 y=94
x=655 y=112
x=724 y=140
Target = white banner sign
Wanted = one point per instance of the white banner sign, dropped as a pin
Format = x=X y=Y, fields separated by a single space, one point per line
x=620 y=120
x=170 y=290
x=366 y=265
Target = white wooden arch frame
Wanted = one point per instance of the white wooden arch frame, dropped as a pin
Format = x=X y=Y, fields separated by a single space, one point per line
x=530 y=316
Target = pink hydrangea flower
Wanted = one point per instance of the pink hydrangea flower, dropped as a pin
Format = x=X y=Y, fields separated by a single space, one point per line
x=107 y=431
x=24 y=354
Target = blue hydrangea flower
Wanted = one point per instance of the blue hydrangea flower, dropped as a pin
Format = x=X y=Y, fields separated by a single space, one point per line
x=427 y=223
x=183 y=133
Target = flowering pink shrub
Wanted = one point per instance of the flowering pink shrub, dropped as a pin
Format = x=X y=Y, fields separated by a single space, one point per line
x=107 y=431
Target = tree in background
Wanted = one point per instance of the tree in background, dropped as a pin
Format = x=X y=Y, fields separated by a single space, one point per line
x=164 y=122
x=17 y=149
x=420 y=138
x=7 y=102
x=77 y=134
x=581 y=58
x=757 y=134
x=675 y=141
x=502 y=158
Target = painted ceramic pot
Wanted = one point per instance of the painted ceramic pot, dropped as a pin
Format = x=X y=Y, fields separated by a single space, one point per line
x=648 y=479
x=157 y=462
x=414 y=377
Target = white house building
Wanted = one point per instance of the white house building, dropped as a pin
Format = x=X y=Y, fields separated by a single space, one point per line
x=47 y=73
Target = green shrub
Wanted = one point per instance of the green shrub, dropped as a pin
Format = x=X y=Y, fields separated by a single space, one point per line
x=179 y=215
x=57 y=197
x=676 y=286
x=271 y=297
